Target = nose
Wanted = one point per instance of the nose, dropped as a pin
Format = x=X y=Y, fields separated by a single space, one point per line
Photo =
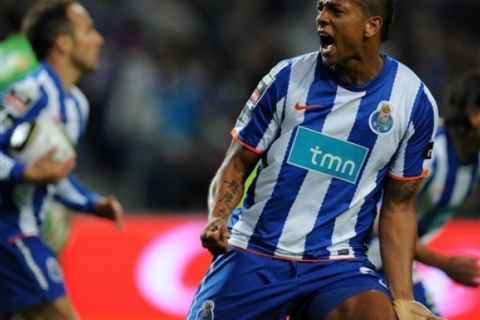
x=100 y=38
x=322 y=18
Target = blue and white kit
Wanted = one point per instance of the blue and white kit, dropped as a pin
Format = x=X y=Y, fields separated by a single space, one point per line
x=326 y=149
x=447 y=187
x=32 y=274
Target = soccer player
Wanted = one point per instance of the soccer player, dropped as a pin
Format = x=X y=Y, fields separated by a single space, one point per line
x=18 y=59
x=65 y=40
x=334 y=129
x=454 y=175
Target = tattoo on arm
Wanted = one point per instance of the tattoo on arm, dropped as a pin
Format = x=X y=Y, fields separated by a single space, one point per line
x=232 y=185
x=226 y=199
x=401 y=191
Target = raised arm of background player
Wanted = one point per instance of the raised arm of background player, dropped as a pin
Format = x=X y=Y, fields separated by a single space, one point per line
x=462 y=269
x=226 y=190
x=398 y=235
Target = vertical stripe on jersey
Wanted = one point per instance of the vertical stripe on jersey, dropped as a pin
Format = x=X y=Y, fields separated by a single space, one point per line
x=451 y=183
x=412 y=150
x=402 y=82
x=344 y=227
x=74 y=122
x=463 y=182
x=80 y=117
x=54 y=106
x=289 y=177
x=440 y=175
x=320 y=92
x=451 y=176
x=268 y=185
x=303 y=214
x=60 y=92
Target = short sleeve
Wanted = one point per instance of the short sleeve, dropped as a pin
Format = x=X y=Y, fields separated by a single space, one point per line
x=259 y=122
x=413 y=157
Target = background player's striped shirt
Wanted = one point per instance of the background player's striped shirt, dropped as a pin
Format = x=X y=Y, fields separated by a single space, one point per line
x=449 y=184
x=22 y=205
x=447 y=188
x=326 y=148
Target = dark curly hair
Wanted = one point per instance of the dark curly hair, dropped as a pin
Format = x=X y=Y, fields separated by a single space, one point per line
x=462 y=99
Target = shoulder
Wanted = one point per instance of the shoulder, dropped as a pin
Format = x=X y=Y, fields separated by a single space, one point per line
x=304 y=61
x=413 y=89
x=310 y=58
x=410 y=81
x=284 y=68
x=24 y=95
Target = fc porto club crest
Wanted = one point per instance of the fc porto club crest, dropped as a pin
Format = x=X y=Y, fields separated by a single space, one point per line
x=207 y=311
x=381 y=120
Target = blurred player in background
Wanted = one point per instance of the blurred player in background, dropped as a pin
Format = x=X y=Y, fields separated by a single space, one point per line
x=16 y=60
x=16 y=55
x=334 y=129
x=454 y=176
x=65 y=40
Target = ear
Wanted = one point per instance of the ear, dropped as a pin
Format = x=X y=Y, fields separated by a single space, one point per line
x=373 y=26
x=64 y=43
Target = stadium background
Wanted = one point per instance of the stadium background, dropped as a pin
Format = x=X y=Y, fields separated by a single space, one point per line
x=174 y=75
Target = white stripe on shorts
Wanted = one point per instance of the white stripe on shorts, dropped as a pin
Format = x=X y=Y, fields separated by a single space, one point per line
x=37 y=272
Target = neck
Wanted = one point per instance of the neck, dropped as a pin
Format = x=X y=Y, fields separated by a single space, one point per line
x=359 y=70
x=67 y=72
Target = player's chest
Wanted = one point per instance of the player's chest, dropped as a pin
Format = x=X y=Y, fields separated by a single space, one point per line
x=67 y=112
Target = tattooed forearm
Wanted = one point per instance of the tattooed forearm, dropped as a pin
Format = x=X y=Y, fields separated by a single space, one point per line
x=229 y=194
x=223 y=213
x=232 y=185
x=400 y=191
x=226 y=188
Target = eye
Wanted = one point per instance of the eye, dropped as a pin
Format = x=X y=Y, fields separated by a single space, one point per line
x=337 y=12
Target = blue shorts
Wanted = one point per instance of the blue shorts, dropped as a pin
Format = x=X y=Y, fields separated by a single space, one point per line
x=29 y=274
x=243 y=285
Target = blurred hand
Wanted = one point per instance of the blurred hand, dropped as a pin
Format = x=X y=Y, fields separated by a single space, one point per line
x=215 y=236
x=412 y=310
x=45 y=171
x=110 y=208
x=464 y=270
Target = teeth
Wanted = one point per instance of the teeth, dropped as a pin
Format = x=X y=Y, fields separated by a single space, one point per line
x=327 y=49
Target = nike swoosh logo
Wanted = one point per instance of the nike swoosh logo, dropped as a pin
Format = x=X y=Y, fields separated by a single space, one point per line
x=301 y=107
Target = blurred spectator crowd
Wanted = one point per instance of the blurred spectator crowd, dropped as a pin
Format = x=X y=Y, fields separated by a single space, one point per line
x=175 y=74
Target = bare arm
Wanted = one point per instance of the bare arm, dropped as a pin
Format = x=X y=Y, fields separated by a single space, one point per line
x=226 y=190
x=398 y=233
x=462 y=269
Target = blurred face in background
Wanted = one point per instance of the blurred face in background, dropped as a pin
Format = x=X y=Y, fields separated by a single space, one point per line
x=340 y=26
x=86 y=39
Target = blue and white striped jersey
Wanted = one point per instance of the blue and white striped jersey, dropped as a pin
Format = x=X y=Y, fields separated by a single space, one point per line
x=449 y=184
x=326 y=149
x=447 y=188
x=22 y=205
